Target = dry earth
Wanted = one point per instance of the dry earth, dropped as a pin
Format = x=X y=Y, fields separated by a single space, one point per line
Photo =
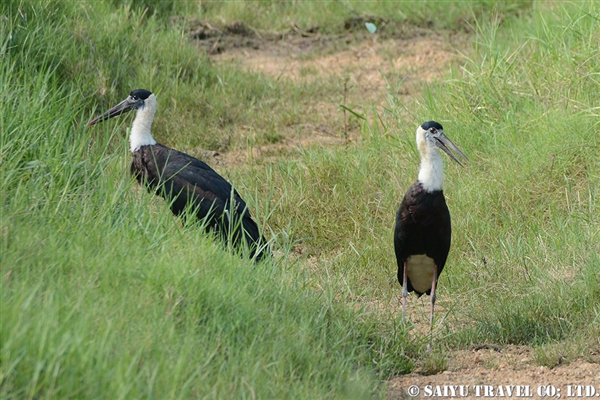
x=364 y=61
x=496 y=367
x=367 y=68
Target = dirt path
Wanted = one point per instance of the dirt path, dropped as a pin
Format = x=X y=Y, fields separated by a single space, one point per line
x=491 y=372
x=419 y=58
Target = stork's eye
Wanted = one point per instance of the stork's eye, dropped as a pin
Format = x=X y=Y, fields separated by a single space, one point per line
x=432 y=130
x=134 y=97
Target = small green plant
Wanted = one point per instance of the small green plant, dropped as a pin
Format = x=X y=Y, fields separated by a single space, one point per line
x=432 y=362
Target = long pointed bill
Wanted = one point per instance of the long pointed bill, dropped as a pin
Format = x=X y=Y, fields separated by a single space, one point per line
x=119 y=109
x=446 y=144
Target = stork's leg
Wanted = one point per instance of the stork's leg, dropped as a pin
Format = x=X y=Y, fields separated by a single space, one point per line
x=433 y=287
x=404 y=292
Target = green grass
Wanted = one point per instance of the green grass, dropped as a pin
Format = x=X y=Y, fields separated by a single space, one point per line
x=106 y=295
x=337 y=15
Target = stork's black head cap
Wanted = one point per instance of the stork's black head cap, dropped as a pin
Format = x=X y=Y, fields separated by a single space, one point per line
x=432 y=124
x=140 y=93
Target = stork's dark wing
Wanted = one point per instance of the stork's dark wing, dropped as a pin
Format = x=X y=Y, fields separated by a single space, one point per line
x=423 y=226
x=185 y=181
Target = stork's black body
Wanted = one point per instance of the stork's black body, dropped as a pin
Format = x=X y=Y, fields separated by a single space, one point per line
x=185 y=182
x=422 y=227
x=423 y=232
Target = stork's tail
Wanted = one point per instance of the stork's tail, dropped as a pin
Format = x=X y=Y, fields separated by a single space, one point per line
x=255 y=241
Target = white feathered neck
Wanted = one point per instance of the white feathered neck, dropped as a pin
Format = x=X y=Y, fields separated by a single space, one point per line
x=140 y=134
x=431 y=174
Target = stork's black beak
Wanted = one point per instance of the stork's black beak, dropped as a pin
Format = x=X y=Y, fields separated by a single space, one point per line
x=119 y=109
x=446 y=144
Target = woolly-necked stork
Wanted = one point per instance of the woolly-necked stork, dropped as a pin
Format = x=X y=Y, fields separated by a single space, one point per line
x=184 y=181
x=423 y=233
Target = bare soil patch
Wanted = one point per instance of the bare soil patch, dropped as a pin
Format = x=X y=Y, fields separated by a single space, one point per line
x=496 y=366
x=416 y=55
x=364 y=68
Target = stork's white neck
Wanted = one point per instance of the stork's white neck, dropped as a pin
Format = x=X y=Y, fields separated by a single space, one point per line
x=140 y=129
x=431 y=174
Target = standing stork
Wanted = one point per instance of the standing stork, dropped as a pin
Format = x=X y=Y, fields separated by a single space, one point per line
x=184 y=181
x=423 y=233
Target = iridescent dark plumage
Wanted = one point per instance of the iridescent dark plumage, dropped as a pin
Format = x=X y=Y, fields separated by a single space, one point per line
x=422 y=227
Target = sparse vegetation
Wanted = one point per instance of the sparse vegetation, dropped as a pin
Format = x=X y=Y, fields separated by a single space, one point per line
x=106 y=295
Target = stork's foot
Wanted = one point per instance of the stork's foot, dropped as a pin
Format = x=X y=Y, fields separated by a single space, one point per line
x=429 y=347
